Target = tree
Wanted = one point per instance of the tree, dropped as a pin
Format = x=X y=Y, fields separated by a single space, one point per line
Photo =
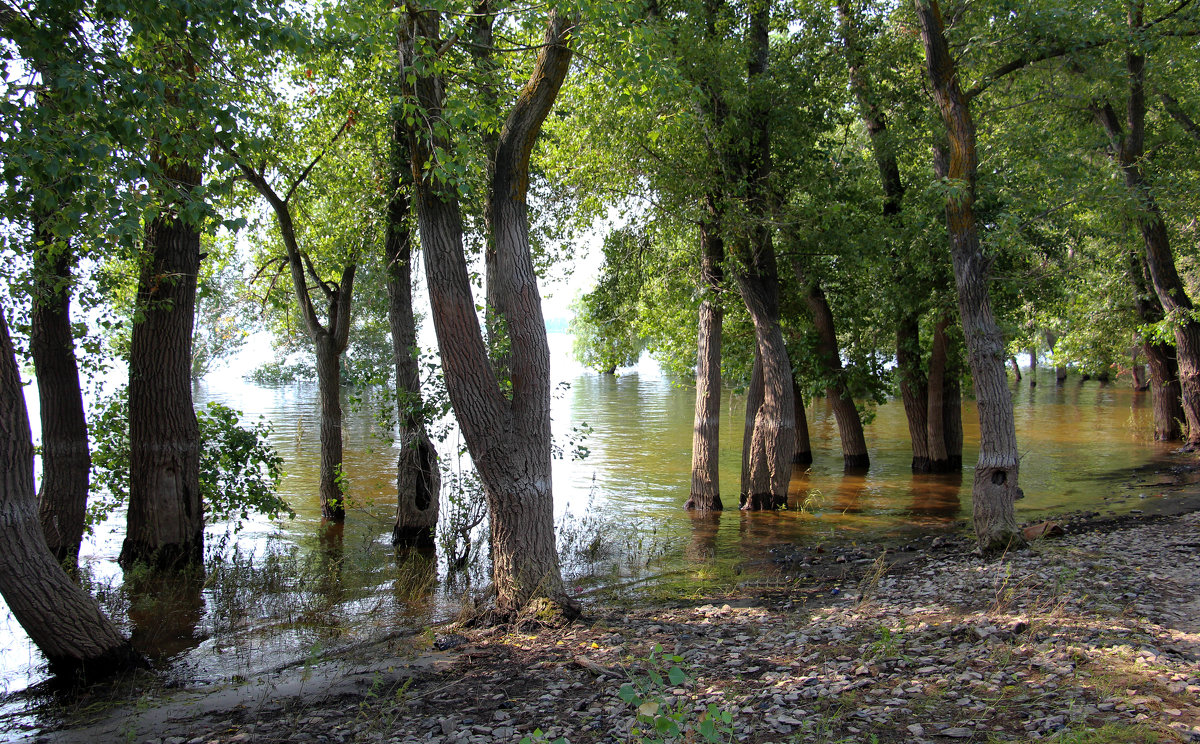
x=995 y=488
x=418 y=478
x=63 y=620
x=508 y=434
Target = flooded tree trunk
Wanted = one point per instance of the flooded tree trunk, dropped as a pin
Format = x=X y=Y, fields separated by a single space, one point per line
x=773 y=441
x=754 y=401
x=508 y=437
x=1127 y=146
x=66 y=457
x=165 y=526
x=329 y=339
x=914 y=392
x=849 y=423
x=62 y=619
x=1137 y=370
x=329 y=390
x=1016 y=368
x=1032 y=366
x=935 y=416
x=995 y=488
x=706 y=442
x=418 y=477
x=803 y=450
x=952 y=428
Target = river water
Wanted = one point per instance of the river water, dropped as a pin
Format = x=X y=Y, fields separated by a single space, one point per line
x=284 y=591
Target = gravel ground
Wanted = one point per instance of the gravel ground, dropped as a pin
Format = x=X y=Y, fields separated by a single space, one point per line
x=1094 y=630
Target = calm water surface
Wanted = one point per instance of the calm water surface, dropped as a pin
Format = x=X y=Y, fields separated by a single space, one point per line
x=619 y=512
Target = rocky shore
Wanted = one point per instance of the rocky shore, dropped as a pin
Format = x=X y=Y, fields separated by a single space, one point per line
x=1093 y=636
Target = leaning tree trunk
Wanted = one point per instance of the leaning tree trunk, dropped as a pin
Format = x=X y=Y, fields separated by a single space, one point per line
x=508 y=437
x=996 y=488
x=62 y=619
x=706 y=430
x=66 y=458
x=166 y=520
x=913 y=390
x=1127 y=147
x=418 y=478
x=849 y=423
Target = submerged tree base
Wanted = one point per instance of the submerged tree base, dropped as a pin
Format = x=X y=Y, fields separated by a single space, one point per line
x=763 y=501
x=171 y=557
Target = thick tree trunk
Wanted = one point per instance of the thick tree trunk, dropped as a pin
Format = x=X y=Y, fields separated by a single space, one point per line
x=803 y=450
x=706 y=442
x=66 y=458
x=849 y=423
x=508 y=437
x=329 y=387
x=914 y=391
x=705 y=494
x=418 y=478
x=952 y=428
x=773 y=442
x=1137 y=370
x=166 y=520
x=996 y=488
x=62 y=619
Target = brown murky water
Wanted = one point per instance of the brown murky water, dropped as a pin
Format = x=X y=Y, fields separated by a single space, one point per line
x=298 y=588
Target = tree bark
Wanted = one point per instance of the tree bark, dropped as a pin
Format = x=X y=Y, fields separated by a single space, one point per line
x=1127 y=148
x=1032 y=366
x=952 y=428
x=1160 y=357
x=329 y=391
x=418 y=478
x=165 y=526
x=706 y=442
x=935 y=417
x=62 y=619
x=849 y=423
x=66 y=457
x=773 y=441
x=508 y=437
x=995 y=488
x=754 y=401
x=914 y=390
x=803 y=450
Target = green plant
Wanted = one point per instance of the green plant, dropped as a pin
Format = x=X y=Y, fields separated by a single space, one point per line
x=539 y=737
x=239 y=469
x=668 y=719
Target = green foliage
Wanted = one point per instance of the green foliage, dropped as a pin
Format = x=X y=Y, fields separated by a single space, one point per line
x=239 y=469
x=606 y=321
x=660 y=721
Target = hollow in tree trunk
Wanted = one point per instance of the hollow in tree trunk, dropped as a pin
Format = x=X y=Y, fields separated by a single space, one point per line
x=66 y=458
x=62 y=619
x=418 y=478
x=995 y=487
x=165 y=527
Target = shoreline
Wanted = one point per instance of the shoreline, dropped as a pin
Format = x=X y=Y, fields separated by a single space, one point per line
x=1097 y=628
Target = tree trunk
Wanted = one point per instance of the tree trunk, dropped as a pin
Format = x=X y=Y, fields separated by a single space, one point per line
x=62 y=619
x=66 y=458
x=1016 y=367
x=952 y=428
x=773 y=441
x=1127 y=147
x=418 y=478
x=849 y=423
x=1032 y=366
x=508 y=437
x=914 y=391
x=166 y=521
x=935 y=417
x=754 y=401
x=995 y=488
x=803 y=450
x=1137 y=370
x=329 y=386
x=706 y=441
